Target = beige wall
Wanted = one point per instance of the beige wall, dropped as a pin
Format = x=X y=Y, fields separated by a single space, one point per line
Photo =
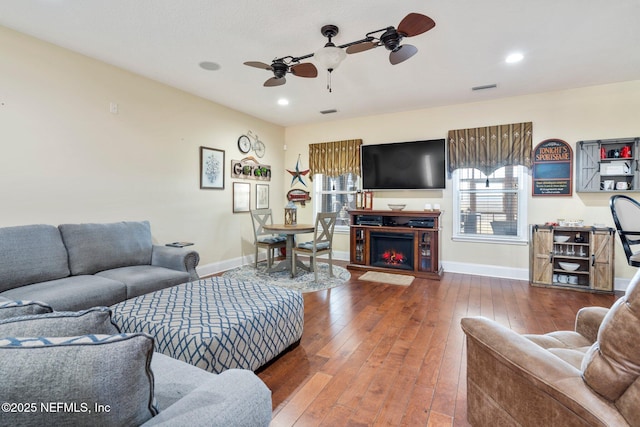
x=66 y=158
x=607 y=111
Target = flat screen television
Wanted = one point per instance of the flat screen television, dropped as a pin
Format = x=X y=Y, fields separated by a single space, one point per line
x=415 y=165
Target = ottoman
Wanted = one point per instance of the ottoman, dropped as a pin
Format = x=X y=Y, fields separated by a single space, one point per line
x=216 y=323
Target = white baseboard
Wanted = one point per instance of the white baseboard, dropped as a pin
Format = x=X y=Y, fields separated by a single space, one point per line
x=219 y=267
x=620 y=284
x=486 y=270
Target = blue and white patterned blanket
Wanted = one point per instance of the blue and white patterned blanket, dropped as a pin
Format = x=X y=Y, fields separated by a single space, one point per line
x=217 y=323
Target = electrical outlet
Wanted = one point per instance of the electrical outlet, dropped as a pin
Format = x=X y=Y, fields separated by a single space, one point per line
x=113 y=108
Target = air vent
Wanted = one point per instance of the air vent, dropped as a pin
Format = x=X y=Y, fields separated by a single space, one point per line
x=484 y=87
x=333 y=110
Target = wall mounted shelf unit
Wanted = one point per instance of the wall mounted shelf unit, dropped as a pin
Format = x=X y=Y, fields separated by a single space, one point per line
x=608 y=165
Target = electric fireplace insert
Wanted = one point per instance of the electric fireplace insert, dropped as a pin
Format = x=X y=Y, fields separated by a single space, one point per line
x=392 y=250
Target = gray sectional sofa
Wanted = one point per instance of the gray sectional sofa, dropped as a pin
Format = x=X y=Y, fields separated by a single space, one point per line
x=78 y=266
x=79 y=271
x=95 y=375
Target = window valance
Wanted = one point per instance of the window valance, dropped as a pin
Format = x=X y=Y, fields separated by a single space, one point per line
x=335 y=158
x=490 y=148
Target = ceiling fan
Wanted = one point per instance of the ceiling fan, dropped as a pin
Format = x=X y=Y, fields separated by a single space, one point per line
x=391 y=38
x=281 y=67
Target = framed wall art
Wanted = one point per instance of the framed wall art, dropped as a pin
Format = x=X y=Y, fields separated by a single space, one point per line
x=241 y=196
x=262 y=196
x=211 y=168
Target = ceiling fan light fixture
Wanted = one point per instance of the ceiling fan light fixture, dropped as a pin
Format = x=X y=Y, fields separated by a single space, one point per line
x=330 y=57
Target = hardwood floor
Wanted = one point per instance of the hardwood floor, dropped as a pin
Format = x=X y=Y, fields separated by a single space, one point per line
x=377 y=354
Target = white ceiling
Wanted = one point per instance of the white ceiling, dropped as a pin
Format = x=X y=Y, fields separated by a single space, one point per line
x=566 y=43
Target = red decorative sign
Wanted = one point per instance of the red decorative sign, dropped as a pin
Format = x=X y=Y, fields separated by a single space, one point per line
x=298 y=196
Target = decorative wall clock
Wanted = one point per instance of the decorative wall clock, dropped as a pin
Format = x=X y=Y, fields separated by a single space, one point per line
x=244 y=144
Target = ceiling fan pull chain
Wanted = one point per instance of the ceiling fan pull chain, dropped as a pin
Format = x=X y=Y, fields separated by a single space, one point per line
x=329 y=80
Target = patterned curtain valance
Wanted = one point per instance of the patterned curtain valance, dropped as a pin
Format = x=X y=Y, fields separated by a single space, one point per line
x=335 y=158
x=490 y=148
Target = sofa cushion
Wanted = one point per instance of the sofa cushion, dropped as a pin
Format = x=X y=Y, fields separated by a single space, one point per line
x=72 y=293
x=96 y=320
x=612 y=364
x=559 y=339
x=98 y=247
x=80 y=372
x=10 y=308
x=237 y=398
x=142 y=279
x=30 y=254
x=174 y=379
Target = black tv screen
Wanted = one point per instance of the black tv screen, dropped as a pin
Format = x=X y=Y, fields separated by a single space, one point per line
x=415 y=165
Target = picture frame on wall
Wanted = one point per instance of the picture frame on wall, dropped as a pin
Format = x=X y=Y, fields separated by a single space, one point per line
x=262 y=196
x=241 y=197
x=211 y=169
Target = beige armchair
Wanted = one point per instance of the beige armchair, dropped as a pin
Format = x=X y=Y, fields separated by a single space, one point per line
x=585 y=377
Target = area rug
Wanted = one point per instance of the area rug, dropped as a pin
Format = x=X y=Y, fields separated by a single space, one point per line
x=391 y=279
x=303 y=282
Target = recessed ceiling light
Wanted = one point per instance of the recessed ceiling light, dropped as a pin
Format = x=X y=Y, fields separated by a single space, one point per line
x=209 y=66
x=283 y=101
x=514 y=57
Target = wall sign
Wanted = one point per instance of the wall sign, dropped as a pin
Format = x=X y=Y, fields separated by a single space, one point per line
x=552 y=168
x=249 y=168
x=298 y=195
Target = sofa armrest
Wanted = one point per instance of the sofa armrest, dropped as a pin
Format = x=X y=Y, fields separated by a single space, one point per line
x=180 y=259
x=235 y=397
x=588 y=322
x=513 y=381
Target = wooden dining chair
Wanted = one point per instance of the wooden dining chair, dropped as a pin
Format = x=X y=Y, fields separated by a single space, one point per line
x=626 y=216
x=320 y=245
x=263 y=238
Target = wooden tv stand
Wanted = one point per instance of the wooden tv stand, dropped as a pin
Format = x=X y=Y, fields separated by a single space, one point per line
x=423 y=227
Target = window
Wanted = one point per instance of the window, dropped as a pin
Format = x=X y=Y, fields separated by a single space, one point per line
x=335 y=194
x=490 y=208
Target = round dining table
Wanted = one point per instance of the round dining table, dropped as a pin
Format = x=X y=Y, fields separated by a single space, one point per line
x=290 y=231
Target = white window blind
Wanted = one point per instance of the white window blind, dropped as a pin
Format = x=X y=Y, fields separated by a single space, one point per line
x=490 y=207
x=335 y=194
